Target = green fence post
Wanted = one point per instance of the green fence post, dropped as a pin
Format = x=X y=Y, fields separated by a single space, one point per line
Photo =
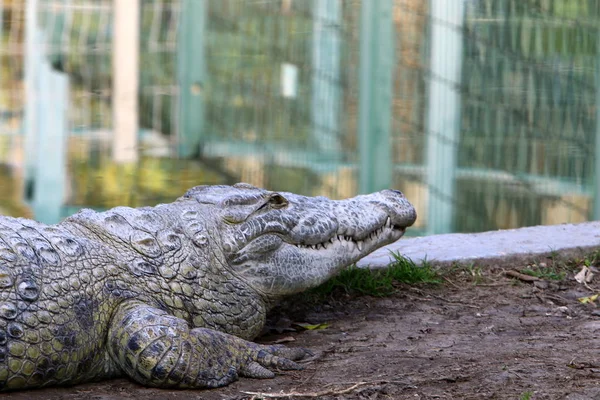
x=375 y=95
x=191 y=68
x=50 y=172
x=596 y=177
x=326 y=76
x=45 y=125
x=125 y=80
x=443 y=108
x=32 y=60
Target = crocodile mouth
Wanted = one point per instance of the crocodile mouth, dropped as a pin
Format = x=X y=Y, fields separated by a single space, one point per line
x=386 y=233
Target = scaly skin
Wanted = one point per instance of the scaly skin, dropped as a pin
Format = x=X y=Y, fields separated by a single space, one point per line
x=170 y=295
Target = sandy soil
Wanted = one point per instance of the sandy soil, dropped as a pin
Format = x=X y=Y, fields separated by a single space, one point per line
x=483 y=336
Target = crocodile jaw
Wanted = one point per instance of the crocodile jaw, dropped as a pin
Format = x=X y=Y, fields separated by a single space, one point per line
x=357 y=248
x=293 y=268
x=320 y=241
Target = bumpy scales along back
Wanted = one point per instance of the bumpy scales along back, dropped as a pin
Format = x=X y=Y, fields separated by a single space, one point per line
x=171 y=295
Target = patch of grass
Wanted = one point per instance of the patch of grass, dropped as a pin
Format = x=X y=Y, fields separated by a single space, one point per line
x=545 y=273
x=592 y=259
x=571 y=266
x=406 y=271
x=381 y=282
x=475 y=273
x=558 y=268
x=526 y=395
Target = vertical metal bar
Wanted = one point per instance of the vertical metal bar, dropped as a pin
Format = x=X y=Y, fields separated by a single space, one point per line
x=191 y=64
x=375 y=95
x=126 y=80
x=54 y=30
x=443 y=107
x=33 y=60
x=596 y=177
x=50 y=174
x=45 y=124
x=326 y=76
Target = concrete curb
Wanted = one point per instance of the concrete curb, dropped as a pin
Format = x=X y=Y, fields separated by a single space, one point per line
x=502 y=247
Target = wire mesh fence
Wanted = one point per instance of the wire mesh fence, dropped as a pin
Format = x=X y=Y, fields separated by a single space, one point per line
x=529 y=111
x=482 y=111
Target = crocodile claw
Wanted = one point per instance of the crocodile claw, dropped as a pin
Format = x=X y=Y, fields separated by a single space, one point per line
x=275 y=356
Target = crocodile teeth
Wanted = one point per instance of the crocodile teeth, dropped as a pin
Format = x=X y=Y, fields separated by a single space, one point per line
x=344 y=237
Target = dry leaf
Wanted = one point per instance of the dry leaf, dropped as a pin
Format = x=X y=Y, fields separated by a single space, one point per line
x=312 y=327
x=585 y=275
x=588 y=299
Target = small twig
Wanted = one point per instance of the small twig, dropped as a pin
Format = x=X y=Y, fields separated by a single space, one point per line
x=456 y=303
x=514 y=373
x=309 y=378
x=561 y=300
x=384 y=382
x=590 y=288
x=329 y=392
x=305 y=394
x=496 y=284
x=286 y=339
x=523 y=277
x=452 y=283
x=582 y=365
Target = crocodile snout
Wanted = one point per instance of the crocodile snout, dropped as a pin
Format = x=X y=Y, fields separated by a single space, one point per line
x=404 y=214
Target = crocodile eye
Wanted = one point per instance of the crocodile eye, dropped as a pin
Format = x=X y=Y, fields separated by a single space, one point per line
x=277 y=201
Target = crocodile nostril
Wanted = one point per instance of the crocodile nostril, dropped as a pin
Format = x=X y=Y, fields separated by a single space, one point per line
x=399 y=193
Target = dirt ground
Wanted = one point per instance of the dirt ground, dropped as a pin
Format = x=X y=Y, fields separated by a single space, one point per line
x=478 y=335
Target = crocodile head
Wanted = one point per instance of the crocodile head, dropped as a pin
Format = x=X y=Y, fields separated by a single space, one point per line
x=283 y=243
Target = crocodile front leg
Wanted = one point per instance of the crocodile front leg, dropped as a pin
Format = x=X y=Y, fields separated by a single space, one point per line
x=157 y=349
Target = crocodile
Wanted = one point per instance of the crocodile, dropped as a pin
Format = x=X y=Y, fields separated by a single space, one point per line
x=172 y=295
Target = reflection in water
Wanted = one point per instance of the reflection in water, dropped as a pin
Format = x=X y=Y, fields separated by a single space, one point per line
x=94 y=181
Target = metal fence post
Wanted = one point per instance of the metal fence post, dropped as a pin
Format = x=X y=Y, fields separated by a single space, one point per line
x=443 y=108
x=326 y=75
x=45 y=125
x=126 y=69
x=596 y=176
x=375 y=95
x=191 y=68
x=33 y=59
x=50 y=173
